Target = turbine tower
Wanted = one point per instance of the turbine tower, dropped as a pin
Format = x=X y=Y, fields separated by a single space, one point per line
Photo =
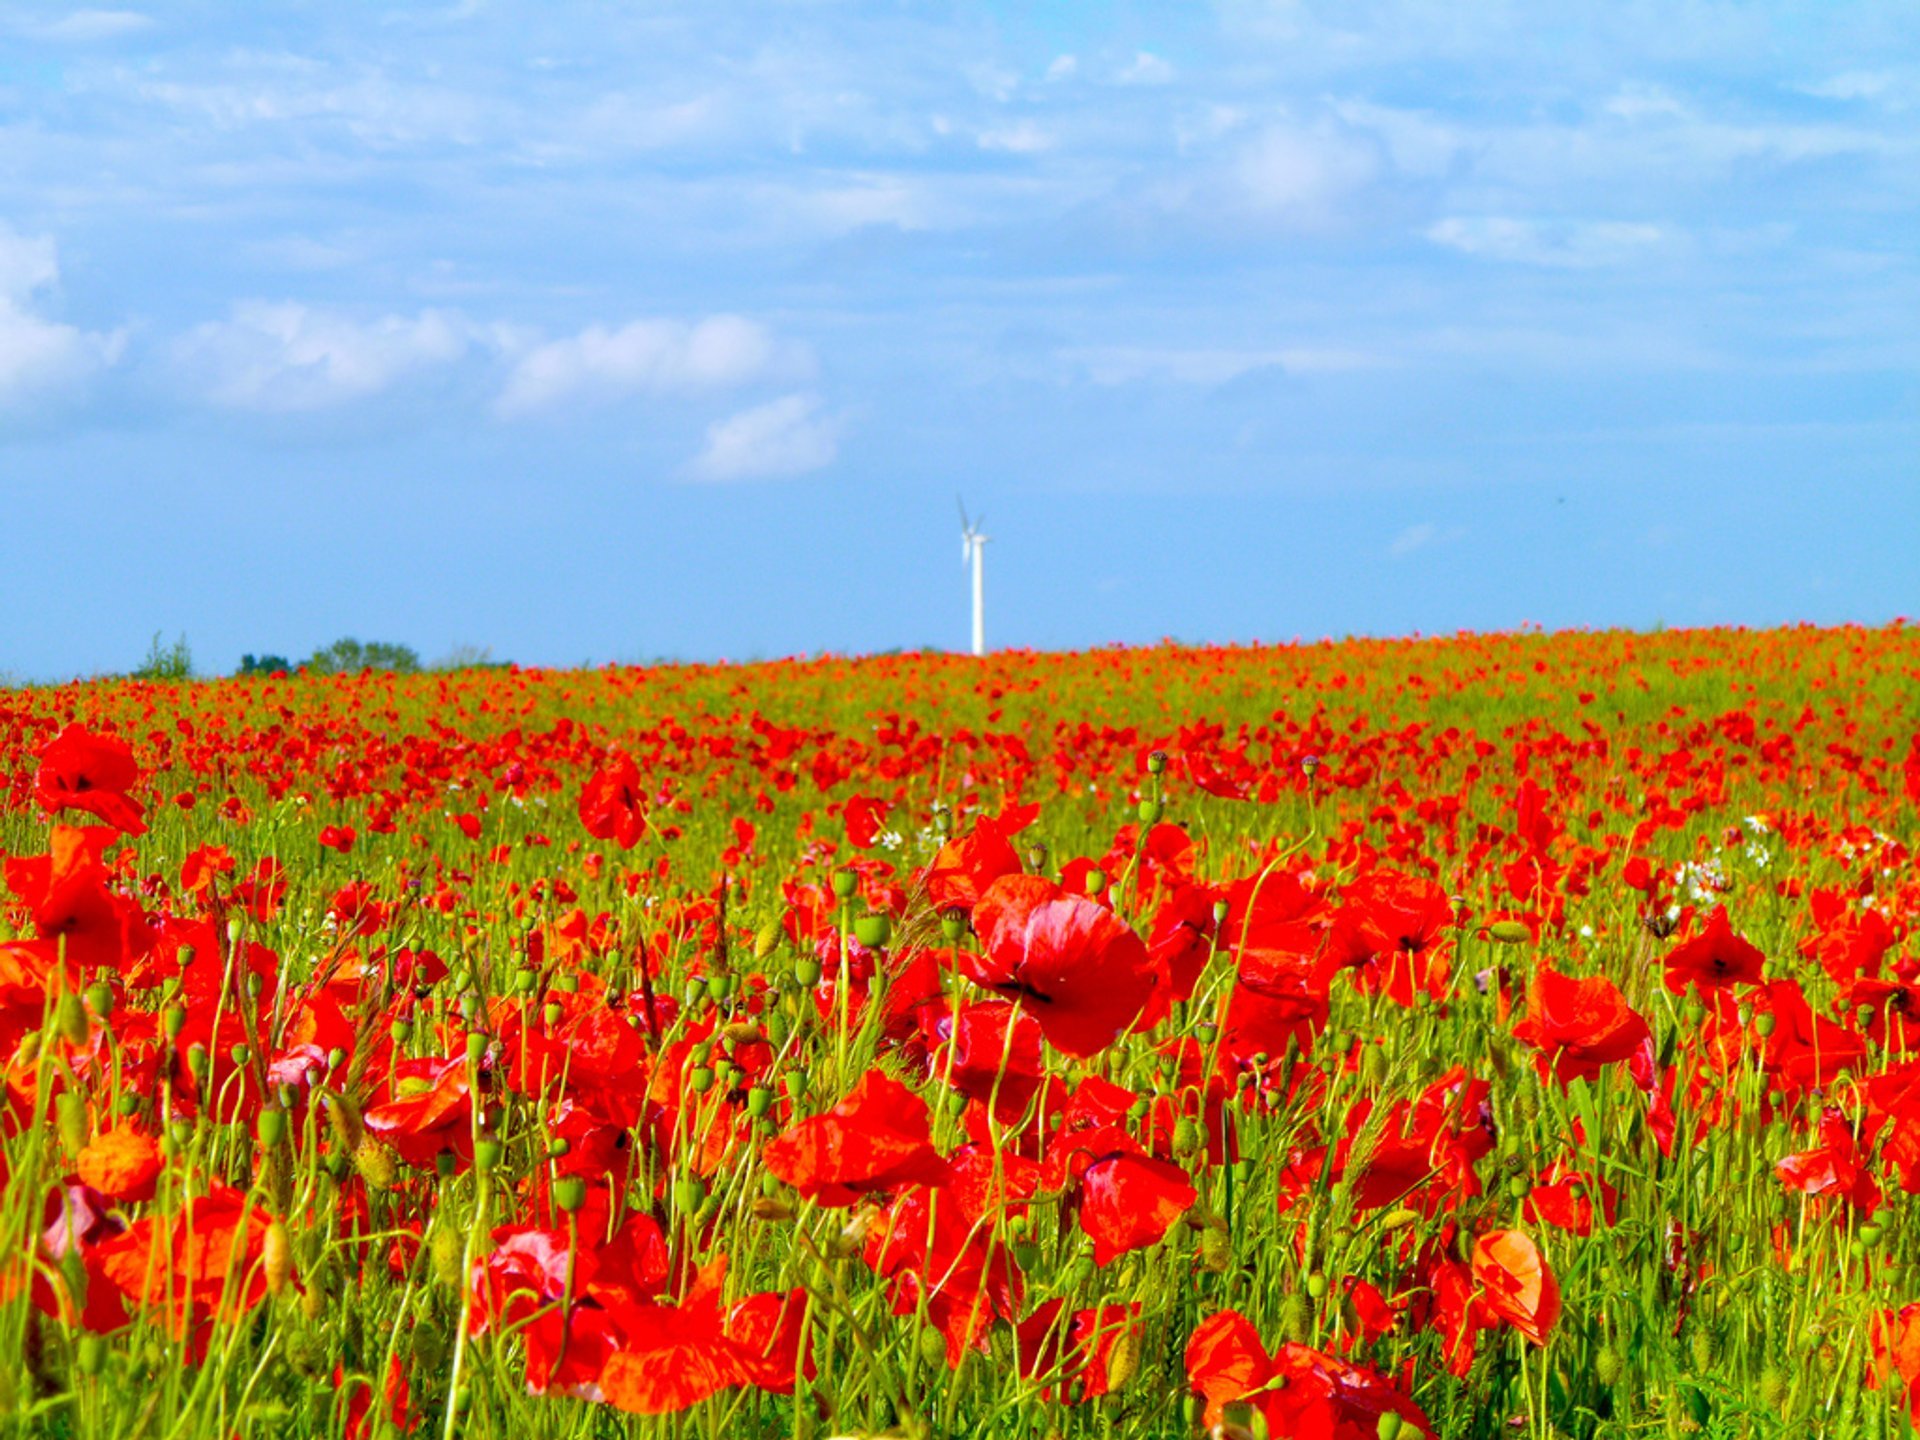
x=972 y=543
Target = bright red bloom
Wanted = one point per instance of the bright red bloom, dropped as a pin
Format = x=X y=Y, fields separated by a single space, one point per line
x=201 y=1262
x=1580 y=1025
x=431 y=1111
x=1300 y=1391
x=673 y=1356
x=1076 y=1354
x=612 y=805
x=1714 y=959
x=1516 y=1283
x=1077 y=967
x=968 y=865
x=1836 y=1167
x=80 y=770
x=1127 y=1199
x=878 y=1138
x=930 y=1251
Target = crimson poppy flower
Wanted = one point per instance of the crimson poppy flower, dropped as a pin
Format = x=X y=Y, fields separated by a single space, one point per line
x=932 y=1253
x=80 y=770
x=968 y=865
x=432 y=1110
x=673 y=1356
x=865 y=817
x=1835 y=1167
x=121 y=1163
x=1578 y=1026
x=1127 y=1200
x=1716 y=958
x=1805 y=1049
x=992 y=1053
x=612 y=805
x=1298 y=1390
x=1395 y=931
x=199 y=1263
x=878 y=1138
x=1077 y=1354
x=1079 y=968
x=1895 y=1336
x=1516 y=1283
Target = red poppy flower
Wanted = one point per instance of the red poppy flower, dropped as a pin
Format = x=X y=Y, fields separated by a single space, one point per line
x=673 y=1356
x=1127 y=1199
x=1076 y=1355
x=1516 y=1283
x=1716 y=958
x=1079 y=968
x=199 y=1263
x=878 y=1138
x=431 y=1111
x=932 y=1253
x=1580 y=1025
x=1298 y=1390
x=967 y=865
x=80 y=770
x=612 y=806
x=1835 y=1167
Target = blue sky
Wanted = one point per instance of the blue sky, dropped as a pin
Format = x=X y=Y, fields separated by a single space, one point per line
x=603 y=332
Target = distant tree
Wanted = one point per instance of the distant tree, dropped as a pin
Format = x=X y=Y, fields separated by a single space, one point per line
x=468 y=657
x=348 y=656
x=263 y=664
x=166 y=662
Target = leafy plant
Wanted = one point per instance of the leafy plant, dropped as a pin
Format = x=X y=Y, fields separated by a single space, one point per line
x=263 y=664
x=348 y=656
x=166 y=662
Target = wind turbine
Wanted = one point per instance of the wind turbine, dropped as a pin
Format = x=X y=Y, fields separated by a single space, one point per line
x=972 y=542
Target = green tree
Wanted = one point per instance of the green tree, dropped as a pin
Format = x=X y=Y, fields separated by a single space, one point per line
x=348 y=656
x=166 y=662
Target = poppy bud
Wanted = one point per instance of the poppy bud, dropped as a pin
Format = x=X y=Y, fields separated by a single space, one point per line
x=771 y=1209
x=91 y=1353
x=336 y=1057
x=1221 y=909
x=377 y=1164
x=276 y=1257
x=759 y=1101
x=1123 y=1359
x=1763 y=1024
x=1871 y=1234
x=553 y=1013
x=70 y=1016
x=766 y=939
x=806 y=970
x=872 y=931
x=1096 y=881
x=1296 y=1317
x=1607 y=1366
x=688 y=1193
x=476 y=1046
x=933 y=1347
x=271 y=1127
x=444 y=1251
x=445 y=1162
x=1194 y=1409
x=953 y=925
x=720 y=985
x=1189 y=1137
x=845 y=882
x=1216 y=1250
x=1509 y=932
x=100 y=998
x=175 y=1020
x=797 y=1082
x=1150 y=812
x=1082 y=1271
x=71 y=1117
x=1773 y=1387
x=127 y=1104
x=401 y=1031
x=1317 y=1285
x=1388 y=1426
x=570 y=1192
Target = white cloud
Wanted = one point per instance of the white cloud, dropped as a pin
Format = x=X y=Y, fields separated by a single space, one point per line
x=1145 y=68
x=1064 y=67
x=286 y=358
x=1424 y=536
x=84 y=26
x=41 y=359
x=788 y=436
x=1023 y=138
x=1302 y=176
x=649 y=357
x=1125 y=365
x=1560 y=244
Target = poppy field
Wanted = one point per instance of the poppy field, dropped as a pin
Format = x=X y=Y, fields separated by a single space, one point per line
x=1511 y=1035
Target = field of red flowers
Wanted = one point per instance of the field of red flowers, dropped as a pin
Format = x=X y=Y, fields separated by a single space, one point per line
x=1508 y=1035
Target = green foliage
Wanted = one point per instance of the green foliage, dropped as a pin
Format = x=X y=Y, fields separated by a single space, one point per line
x=469 y=657
x=348 y=656
x=263 y=664
x=166 y=662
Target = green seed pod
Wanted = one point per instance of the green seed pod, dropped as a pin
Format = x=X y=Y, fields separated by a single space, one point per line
x=1317 y=1286
x=701 y=1078
x=1763 y=1024
x=1389 y=1425
x=401 y=1031
x=276 y=1257
x=1096 y=881
x=1296 y=1317
x=797 y=1083
x=759 y=1101
x=872 y=930
x=806 y=971
x=487 y=1155
x=552 y=1013
x=271 y=1127
x=1156 y=762
x=70 y=1112
x=1150 y=812
x=953 y=925
x=845 y=883
x=570 y=1193
x=1518 y=1187
x=687 y=1195
x=720 y=985
x=70 y=1017
x=567 y=983
x=127 y=1104
x=174 y=1021
x=90 y=1353
x=1509 y=932
x=444 y=1251
x=476 y=1046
